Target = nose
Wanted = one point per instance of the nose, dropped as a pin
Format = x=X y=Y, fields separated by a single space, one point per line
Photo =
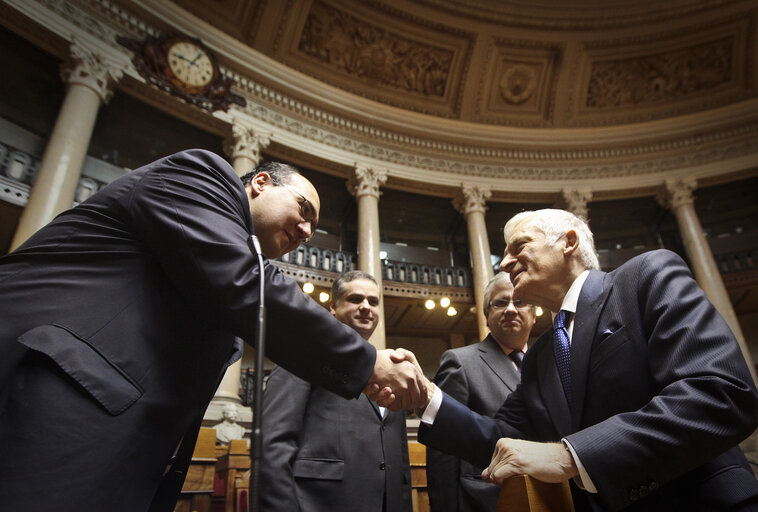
x=506 y=264
x=306 y=229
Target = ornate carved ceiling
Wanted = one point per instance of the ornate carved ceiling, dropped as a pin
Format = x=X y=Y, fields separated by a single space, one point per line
x=526 y=64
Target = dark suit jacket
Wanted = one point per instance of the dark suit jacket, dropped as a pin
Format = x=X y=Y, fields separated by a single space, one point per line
x=480 y=376
x=324 y=453
x=119 y=318
x=661 y=393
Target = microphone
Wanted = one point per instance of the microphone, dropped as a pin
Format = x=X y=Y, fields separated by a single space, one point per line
x=256 y=452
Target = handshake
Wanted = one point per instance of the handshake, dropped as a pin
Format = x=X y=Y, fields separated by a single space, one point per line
x=398 y=383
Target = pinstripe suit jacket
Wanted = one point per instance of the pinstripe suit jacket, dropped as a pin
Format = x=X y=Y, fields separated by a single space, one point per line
x=661 y=396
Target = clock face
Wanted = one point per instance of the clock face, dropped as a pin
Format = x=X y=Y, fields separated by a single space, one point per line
x=190 y=65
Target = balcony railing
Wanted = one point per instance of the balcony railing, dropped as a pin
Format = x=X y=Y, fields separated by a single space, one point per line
x=400 y=271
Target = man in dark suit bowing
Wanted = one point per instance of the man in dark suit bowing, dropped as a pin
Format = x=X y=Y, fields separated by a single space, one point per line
x=121 y=315
x=480 y=376
x=639 y=394
x=322 y=453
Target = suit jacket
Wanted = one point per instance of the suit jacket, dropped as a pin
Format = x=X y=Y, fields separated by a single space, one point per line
x=324 y=453
x=661 y=396
x=119 y=318
x=480 y=376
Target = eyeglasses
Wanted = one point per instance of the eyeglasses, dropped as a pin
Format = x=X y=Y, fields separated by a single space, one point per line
x=307 y=211
x=503 y=303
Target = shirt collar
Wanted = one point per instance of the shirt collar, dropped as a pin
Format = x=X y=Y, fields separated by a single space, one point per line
x=572 y=296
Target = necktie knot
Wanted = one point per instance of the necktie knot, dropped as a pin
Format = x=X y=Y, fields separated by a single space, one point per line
x=517 y=356
x=560 y=319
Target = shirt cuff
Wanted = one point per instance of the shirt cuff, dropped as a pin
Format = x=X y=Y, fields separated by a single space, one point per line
x=433 y=407
x=582 y=480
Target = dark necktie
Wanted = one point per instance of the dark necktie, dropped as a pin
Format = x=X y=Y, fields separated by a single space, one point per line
x=517 y=356
x=562 y=350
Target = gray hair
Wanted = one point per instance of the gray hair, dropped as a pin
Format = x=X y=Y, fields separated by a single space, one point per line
x=554 y=224
x=338 y=286
x=499 y=280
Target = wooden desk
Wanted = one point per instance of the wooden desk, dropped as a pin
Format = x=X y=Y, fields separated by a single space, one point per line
x=198 y=486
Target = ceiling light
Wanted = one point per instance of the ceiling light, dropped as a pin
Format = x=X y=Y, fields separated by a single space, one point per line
x=429 y=304
x=451 y=311
x=538 y=311
x=323 y=296
x=444 y=302
x=308 y=287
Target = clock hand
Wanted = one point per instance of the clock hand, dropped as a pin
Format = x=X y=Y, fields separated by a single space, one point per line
x=192 y=62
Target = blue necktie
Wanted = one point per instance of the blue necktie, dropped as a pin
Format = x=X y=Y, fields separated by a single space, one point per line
x=517 y=356
x=562 y=350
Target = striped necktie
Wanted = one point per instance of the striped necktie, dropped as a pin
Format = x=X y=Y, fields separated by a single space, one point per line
x=517 y=356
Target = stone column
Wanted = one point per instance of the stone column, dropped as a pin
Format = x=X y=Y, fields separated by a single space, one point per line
x=470 y=202
x=244 y=147
x=680 y=201
x=365 y=188
x=90 y=82
x=576 y=200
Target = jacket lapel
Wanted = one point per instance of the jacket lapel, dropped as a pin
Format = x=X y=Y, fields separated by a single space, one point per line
x=550 y=385
x=588 y=308
x=492 y=355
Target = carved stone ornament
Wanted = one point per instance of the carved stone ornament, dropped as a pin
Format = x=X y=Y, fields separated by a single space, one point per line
x=518 y=83
x=472 y=198
x=576 y=201
x=151 y=59
x=357 y=48
x=679 y=192
x=367 y=181
x=660 y=77
x=88 y=68
x=246 y=142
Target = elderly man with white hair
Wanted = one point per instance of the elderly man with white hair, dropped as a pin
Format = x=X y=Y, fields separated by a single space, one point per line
x=639 y=394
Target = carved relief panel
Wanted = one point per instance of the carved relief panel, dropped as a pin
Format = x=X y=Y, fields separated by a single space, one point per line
x=518 y=84
x=416 y=64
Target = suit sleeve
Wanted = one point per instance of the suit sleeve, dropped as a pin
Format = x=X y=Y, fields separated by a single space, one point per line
x=443 y=470
x=703 y=397
x=192 y=215
x=285 y=403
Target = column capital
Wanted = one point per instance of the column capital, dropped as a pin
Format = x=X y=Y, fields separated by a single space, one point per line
x=576 y=200
x=90 y=69
x=678 y=192
x=246 y=142
x=472 y=198
x=366 y=181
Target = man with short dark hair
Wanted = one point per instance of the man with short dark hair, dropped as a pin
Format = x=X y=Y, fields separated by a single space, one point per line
x=324 y=453
x=121 y=315
x=639 y=394
x=480 y=376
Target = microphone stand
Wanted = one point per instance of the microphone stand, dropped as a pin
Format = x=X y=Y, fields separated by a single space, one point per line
x=256 y=452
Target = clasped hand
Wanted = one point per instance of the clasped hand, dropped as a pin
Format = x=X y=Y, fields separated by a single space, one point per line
x=549 y=462
x=398 y=382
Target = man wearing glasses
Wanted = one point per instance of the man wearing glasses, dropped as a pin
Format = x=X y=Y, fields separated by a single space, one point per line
x=480 y=376
x=121 y=315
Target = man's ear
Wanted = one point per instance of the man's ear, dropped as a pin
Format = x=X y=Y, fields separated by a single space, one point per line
x=259 y=182
x=572 y=242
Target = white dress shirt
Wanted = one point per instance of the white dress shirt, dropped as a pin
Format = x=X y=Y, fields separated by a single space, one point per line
x=569 y=304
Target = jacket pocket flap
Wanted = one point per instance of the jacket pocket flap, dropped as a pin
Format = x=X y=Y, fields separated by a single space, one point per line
x=99 y=377
x=323 y=469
